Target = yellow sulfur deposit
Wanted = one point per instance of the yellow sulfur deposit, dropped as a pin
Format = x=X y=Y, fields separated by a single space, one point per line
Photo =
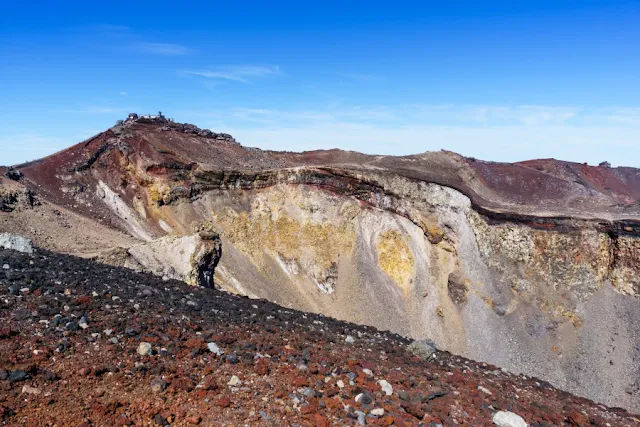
x=395 y=258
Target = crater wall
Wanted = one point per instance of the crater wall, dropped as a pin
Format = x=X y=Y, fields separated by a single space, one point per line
x=559 y=303
x=532 y=267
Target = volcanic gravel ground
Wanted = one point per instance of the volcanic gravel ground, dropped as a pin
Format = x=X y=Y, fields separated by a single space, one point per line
x=71 y=334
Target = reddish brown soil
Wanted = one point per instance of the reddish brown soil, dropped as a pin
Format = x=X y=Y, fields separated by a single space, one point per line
x=158 y=151
x=54 y=372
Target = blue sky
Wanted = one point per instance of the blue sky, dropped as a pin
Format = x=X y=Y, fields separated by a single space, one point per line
x=496 y=80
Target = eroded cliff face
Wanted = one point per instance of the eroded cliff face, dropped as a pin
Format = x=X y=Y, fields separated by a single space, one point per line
x=569 y=303
x=428 y=246
x=557 y=300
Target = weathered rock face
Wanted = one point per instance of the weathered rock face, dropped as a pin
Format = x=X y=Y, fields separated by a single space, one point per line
x=416 y=258
x=13 y=174
x=8 y=200
x=14 y=197
x=542 y=302
x=500 y=263
x=205 y=259
x=192 y=259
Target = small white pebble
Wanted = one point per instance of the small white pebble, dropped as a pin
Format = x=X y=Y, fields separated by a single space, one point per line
x=234 y=381
x=144 y=349
x=386 y=387
x=485 y=390
x=213 y=348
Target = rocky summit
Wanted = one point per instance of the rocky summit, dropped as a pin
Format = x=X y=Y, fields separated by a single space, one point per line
x=531 y=267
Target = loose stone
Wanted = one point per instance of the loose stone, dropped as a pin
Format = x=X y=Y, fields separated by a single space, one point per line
x=144 y=349
x=234 y=381
x=386 y=387
x=213 y=348
x=508 y=419
x=158 y=385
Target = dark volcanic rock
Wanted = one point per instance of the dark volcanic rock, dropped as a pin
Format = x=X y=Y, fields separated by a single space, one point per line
x=189 y=386
x=13 y=174
x=17 y=376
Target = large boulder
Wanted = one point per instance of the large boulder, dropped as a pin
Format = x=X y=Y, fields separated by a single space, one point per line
x=424 y=349
x=13 y=174
x=16 y=243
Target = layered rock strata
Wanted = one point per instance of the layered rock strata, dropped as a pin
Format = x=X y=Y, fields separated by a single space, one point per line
x=530 y=266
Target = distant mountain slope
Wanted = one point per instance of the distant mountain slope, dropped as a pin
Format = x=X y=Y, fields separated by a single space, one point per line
x=177 y=151
x=531 y=266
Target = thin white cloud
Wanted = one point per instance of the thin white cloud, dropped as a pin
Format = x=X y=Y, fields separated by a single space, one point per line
x=262 y=115
x=167 y=49
x=625 y=116
x=465 y=115
x=355 y=114
x=522 y=114
x=242 y=73
x=440 y=115
x=368 y=114
x=123 y=93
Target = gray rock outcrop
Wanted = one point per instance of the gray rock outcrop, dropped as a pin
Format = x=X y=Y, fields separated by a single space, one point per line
x=424 y=349
x=16 y=243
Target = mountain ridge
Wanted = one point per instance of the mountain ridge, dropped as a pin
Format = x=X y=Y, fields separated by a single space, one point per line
x=529 y=266
x=504 y=187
